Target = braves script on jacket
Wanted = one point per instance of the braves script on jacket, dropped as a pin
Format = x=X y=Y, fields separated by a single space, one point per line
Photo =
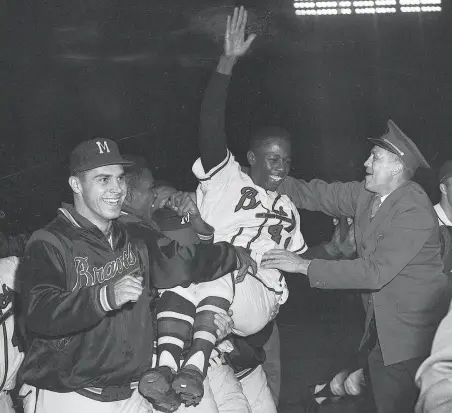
x=76 y=336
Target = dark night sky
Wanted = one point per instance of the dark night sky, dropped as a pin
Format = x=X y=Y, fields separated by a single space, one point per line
x=77 y=70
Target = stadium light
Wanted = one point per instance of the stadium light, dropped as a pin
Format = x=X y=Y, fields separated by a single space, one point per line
x=331 y=8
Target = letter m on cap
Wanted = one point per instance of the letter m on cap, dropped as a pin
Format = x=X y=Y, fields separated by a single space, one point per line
x=103 y=147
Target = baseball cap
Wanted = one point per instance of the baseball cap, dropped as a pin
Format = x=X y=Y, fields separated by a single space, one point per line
x=445 y=171
x=94 y=153
x=395 y=141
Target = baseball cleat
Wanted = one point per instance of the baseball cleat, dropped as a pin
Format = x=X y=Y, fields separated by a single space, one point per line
x=155 y=386
x=188 y=384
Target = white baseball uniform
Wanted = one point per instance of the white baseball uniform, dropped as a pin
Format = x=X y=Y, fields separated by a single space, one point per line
x=10 y=356
x=247 y=215
x=442 y=217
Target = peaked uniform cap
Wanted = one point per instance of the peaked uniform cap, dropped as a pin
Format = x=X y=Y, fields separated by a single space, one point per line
x=395 y=141
x=95 y=153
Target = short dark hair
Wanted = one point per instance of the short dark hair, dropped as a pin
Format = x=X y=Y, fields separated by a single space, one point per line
x=269 y=132
x=133 y=172
x=79 y=174
x=160 y=183
x=139 y=164
x=408 y=172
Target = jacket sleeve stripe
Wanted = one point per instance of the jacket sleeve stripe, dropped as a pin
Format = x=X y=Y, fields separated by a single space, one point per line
x=103 y=299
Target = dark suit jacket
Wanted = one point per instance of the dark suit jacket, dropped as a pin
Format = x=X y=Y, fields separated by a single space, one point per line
x=398 y=260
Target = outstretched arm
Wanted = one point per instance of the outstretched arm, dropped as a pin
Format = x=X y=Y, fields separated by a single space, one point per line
x=212 y=133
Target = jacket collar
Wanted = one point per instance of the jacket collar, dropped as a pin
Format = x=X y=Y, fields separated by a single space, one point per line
x=80 y=222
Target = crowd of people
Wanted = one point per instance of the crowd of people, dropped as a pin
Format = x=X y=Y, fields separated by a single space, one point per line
x=141 y=298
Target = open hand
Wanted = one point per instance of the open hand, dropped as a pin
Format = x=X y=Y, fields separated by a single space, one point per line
x=284 y=261
x=346 y=246
x=224 y=324
x=235 y=44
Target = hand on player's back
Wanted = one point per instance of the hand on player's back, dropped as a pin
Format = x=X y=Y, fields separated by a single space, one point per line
x=247 y=264
x=347 y=246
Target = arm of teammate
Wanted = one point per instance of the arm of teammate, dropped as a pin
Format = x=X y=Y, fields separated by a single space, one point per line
x=334 y=199
x=51 y=310
x=212 y=132
x=212 y=261
x=185 y=206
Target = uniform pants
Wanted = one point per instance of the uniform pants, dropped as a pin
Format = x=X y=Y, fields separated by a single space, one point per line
x=272 y=363
x=6 y=404
x=223 y=393
x=256 y=390
x=393 y=386
x=227 y=390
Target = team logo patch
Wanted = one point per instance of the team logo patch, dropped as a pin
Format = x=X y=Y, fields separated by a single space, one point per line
x=103 y=146
x=248 y=199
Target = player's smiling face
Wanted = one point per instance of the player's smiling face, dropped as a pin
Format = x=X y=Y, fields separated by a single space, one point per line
x=100 y=193
x=270 y=163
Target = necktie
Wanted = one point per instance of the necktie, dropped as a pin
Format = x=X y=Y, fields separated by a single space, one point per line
x=375 y=205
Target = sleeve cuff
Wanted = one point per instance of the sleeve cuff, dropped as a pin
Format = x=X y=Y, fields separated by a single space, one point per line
x=208 y=239
x=314 y=281
x=107 y=299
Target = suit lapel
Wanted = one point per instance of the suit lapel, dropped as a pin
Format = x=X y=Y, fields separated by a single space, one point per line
x=369 y=225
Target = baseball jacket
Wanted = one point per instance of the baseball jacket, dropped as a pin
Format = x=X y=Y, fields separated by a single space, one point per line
x=76 y=337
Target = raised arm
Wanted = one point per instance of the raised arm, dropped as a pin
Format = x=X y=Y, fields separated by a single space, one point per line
x=212 y=133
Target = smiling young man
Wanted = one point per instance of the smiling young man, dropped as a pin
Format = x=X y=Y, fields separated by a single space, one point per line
x=399 y=262
x=86 y=297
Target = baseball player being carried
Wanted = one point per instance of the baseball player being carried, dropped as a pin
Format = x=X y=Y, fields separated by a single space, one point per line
x=245 y=210
x=244 y=207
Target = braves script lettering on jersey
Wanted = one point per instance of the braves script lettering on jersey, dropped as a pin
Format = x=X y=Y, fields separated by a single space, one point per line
x=251 y=217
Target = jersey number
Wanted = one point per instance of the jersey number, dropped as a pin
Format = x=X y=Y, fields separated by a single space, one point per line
x=275 y=232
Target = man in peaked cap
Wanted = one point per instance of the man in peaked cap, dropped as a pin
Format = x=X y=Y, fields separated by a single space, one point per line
x=398 y=262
